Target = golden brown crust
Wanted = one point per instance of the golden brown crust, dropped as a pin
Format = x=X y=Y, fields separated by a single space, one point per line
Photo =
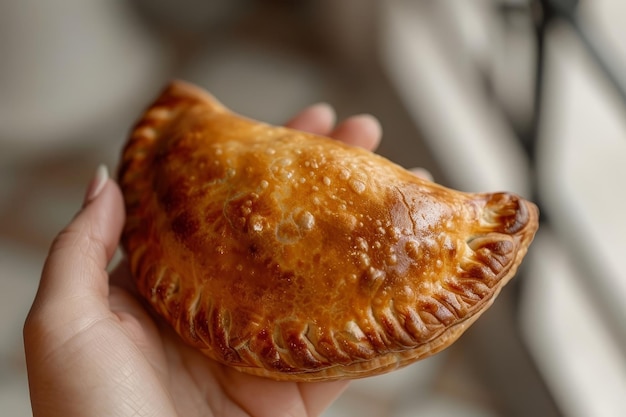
x=296 y=257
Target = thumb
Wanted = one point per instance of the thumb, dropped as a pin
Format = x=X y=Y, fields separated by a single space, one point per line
x=75 y=270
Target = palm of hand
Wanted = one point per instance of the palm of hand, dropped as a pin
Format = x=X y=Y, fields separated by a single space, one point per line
x=198 y=386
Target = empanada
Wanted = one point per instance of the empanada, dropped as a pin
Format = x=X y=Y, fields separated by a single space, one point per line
x=297 y=257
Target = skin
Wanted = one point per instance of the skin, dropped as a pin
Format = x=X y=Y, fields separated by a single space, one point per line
x=94 y=349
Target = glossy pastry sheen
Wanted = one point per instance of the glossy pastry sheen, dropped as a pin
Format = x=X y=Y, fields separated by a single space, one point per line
x=296 y=257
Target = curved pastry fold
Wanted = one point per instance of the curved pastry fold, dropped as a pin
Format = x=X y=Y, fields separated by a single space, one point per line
x=297 y=257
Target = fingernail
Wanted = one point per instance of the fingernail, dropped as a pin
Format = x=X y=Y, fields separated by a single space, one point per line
x=96 y=184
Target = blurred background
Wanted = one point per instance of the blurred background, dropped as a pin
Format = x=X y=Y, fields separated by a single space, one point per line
x=519 y=95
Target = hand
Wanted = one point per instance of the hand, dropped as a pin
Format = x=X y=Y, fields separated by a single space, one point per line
x=92 y=349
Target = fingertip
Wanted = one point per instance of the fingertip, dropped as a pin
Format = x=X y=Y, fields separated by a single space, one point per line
x=363 y=130
x=107 y=213
x=369 y=124
x=322 y=110
x=318 y=119
x=422 y=173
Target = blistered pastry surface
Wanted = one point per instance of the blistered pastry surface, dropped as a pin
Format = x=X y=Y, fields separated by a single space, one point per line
x=296 y=257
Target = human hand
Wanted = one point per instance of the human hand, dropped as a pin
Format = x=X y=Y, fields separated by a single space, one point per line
x=92 y=349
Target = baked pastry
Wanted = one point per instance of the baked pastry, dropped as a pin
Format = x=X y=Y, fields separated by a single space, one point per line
x=297 y=257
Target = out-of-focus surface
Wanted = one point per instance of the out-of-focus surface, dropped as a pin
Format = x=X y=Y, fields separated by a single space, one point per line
x=452 y=85
x=470 y=94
